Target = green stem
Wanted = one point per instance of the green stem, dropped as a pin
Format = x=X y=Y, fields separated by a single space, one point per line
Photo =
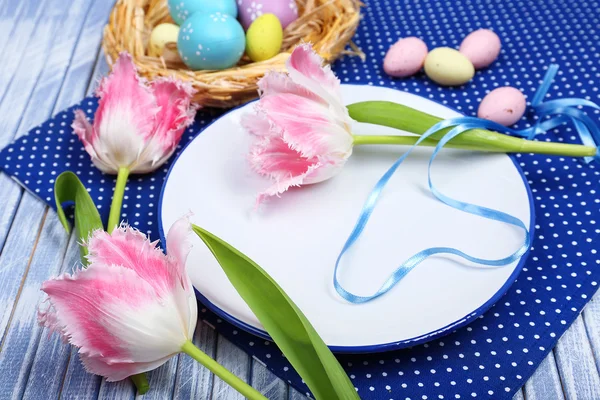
x=115 y=207
x=246 y=390
x=408 y=119
x=141 y=383
x=360 y=140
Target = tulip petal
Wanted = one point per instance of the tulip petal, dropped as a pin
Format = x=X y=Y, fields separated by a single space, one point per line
x=108 y=311
x=257 y=124
x=125 y=116
x=176 y=113
x=280 y=186
x=119 y=370
x=87 y=135
x=278 y=82
x=307 y=126
x=83 y=129
x=130 y=248
x=273 y=158
x=305 y=68
x=178 y=243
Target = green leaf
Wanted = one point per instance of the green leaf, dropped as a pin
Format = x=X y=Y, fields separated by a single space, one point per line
x=68 y=187
x=284 y=322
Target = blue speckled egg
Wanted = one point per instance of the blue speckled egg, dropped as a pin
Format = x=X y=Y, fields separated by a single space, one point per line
x=183 y=9
x=211 y=41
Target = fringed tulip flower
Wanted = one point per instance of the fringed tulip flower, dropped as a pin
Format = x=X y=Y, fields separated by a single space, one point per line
x=132 y=309
x=137 y=126
x=303 y=128
x=302 y=125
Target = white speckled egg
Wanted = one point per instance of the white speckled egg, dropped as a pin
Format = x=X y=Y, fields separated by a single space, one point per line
x=448 y=67
x=161 y=35
x=481 y=47
x=182 y=9
x=405 y=57
x=504 y=105
x=285 y=10
x=211 y=41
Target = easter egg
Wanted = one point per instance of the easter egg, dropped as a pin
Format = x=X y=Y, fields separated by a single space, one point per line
x=264 y=38
x=181 y=10
x=505 y=105
x=405 y=57
x=448 y=67
x=481 y=47
x=211 y=41
x=161 y=35
x=285 y=10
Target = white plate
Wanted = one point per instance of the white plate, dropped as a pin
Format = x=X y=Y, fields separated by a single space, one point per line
x=297 y=237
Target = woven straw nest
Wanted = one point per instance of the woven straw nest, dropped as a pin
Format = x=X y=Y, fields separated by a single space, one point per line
x=327 y=24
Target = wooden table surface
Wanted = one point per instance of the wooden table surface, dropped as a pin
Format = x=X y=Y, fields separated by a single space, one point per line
x=50 y=59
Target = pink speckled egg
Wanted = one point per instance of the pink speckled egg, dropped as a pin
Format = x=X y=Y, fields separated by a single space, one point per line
x=481 y=47
x=505 y=105
x=405 y=57
x=285 y=10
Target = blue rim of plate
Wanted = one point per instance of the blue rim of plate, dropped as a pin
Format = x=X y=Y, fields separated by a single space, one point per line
x=376 y=348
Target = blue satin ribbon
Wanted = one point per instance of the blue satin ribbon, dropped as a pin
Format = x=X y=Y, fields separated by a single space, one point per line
x=550 y=115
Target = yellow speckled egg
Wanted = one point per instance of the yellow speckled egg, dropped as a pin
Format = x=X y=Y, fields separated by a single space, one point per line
x=264 y=38
x=448 y=67
x=161 y=35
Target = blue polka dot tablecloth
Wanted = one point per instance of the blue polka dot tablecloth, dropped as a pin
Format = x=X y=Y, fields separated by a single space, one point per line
x=493 y=356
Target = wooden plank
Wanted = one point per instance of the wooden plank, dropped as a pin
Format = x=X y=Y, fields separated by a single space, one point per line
x=519 y=395
x=193 y=381
x=545 y=382
x=235 y=360
x=591 y=318
x=267 y=382
x=296 y=395
x=20 y=342
x=16 y=90
x=15 y=261
x=576 y=364
x=77 y=383
x=10 y=15
x=20 y=38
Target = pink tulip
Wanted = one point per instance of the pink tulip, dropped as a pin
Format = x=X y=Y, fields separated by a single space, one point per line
x=132 y=309
x=302 y=125
x=137 y=126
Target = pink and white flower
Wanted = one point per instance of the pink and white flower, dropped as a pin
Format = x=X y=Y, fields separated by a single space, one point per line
x=132 y=309
x=301 y=123
x=137 y=126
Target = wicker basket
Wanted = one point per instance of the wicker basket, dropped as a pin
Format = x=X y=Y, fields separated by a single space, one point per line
x=327 y=24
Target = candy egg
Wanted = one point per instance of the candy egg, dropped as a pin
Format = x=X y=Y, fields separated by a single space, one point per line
x=211 y=41
x=481 y=47
x=505 y=105
x=161 y=35
x=405 y=57
x=180 y=10
x=285 y=10
x=264 y=38
x=448 y=67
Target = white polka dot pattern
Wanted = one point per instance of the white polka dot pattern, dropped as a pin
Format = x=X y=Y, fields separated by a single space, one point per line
x=493 y=356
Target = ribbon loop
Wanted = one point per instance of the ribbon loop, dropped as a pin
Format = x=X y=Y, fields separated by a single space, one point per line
x=551 y=114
